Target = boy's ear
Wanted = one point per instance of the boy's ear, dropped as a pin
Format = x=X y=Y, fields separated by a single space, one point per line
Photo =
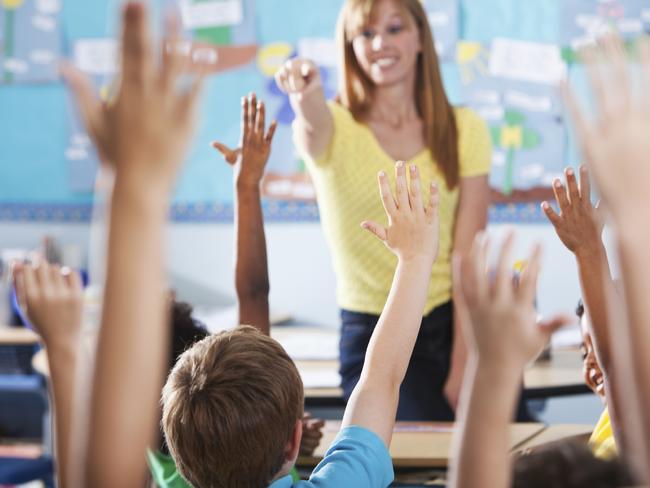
x=293 y=446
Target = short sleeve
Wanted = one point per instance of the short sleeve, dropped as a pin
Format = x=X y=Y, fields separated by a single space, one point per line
x=342 y=143
x=357 y=457
x=474 y=144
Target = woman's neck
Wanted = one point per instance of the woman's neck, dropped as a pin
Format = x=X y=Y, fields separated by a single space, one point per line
x=394 y=105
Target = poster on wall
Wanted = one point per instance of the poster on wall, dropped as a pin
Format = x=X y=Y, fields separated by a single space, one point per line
x=444 y=20
x=513 y=86
x=219 y=33
x=582 y=22
x=30 y=40
x=97 y=59
x=216 y=34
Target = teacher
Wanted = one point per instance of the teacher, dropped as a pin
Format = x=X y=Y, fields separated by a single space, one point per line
x=391 y=106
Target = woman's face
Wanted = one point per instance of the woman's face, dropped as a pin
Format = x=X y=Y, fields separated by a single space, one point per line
x=388 y=46
x=590 y=368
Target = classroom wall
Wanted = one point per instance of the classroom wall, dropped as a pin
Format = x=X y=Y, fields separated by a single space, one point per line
x=302 y=280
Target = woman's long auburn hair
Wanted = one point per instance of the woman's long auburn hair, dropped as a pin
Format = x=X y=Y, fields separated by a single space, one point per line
x=356 y=89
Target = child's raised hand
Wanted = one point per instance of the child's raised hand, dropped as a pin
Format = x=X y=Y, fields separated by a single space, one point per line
x=616 y=144
x=145 y=129
x=578 y=225
x=413 y=229
x=250 y=158
x=298 y=76
x=502 y=327
x=312 y=433
x=52 y=298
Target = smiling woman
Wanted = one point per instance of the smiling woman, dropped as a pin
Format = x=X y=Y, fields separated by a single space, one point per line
x=391 y=105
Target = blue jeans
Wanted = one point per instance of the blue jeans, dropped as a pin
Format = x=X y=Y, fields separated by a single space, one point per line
x=421 y=393
x=421 y=396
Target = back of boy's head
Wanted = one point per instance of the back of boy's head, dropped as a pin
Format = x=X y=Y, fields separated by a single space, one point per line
x=567 y=464
x=230 y=405
x=185 y=332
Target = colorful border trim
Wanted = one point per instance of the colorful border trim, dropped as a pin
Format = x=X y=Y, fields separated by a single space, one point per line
x=219 y=213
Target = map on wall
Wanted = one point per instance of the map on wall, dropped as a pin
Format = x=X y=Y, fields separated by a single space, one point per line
x=30 y=40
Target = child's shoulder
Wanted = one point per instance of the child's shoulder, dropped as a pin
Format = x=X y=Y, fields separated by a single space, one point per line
x=357 y=457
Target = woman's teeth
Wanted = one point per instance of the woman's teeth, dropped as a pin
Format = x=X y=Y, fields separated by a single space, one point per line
x=385 y=62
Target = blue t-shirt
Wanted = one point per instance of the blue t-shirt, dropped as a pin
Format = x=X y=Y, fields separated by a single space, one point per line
x=357 y=458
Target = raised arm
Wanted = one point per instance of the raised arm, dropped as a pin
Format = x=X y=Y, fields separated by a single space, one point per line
x=412 y=235
x=52 y=298
x=314 y=127
x=617 y=148
x=502 y=336
x=579 y=226
x=144 y=132
x=248 y=162
x=251 y=269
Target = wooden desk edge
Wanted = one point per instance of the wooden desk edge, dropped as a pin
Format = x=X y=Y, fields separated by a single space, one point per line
x=17 y=336
x=434 y=462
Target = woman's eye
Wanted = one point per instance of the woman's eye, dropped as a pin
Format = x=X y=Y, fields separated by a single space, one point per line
x=395 y=29
x=367 y=34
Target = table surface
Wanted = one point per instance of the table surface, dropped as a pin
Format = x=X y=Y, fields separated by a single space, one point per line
x=420 y=444
x=428 y=444
x=557 y=432
x=562 y=371
x=17 y=336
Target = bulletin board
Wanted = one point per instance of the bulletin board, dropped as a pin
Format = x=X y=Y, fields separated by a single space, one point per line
x=503 y=58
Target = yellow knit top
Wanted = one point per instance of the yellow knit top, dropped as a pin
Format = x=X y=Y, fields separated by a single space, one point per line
x=345 y=179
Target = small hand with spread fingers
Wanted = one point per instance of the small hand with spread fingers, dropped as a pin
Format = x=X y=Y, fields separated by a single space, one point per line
x=503 y=328
x=578 y=225
x=413 y=229
x=312 y=433
x=250 y=158
x=52 y=298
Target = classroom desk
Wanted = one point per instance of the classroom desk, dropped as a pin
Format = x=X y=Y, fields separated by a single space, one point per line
x=420 y=444
x=553 y=433
x=17 y=336
x=17 y=346
x=561 y=375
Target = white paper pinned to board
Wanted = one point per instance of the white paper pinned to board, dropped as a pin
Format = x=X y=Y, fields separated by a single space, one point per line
x=214 y=13
x=96 y=56
x=527 y=61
